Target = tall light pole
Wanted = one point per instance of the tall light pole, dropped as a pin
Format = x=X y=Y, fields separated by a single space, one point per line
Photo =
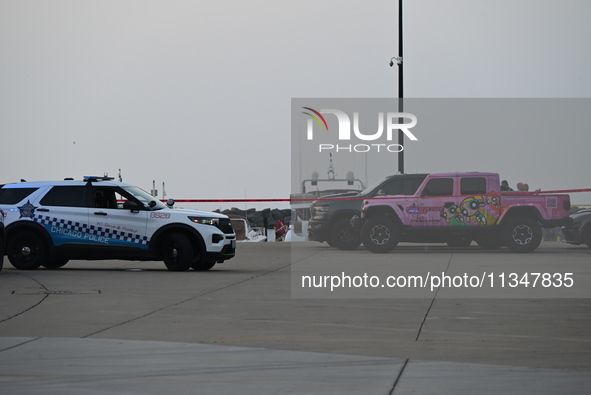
x=400 y=88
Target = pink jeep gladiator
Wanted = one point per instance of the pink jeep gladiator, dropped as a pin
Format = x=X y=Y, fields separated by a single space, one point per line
x=460 y=207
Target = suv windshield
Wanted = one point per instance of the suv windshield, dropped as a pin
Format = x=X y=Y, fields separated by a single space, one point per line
x=144 y=197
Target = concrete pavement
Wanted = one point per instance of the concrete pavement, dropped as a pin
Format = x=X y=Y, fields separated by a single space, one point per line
x=133 y=327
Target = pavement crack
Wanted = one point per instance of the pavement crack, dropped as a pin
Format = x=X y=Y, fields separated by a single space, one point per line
x=186 y=300
x=20 y=344
x=433 y=300
x=33 y=306
x=398 y=377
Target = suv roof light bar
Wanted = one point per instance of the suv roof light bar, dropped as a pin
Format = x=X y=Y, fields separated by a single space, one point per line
x=97 y=178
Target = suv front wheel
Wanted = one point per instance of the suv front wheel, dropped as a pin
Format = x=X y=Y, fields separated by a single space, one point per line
x=26 y=251
x=177 y=252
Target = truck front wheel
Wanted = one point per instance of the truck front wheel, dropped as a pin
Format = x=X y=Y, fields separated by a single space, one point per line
x=522 y=234
x=343 y=235
x=380 y=234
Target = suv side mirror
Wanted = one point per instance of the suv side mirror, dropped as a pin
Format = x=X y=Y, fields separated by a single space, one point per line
x=132 y=206
x=170 y=202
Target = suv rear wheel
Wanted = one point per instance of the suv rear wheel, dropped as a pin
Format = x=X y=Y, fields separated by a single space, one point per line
x=26 y=251
x=55 y=262
x=522 y=234
x=380 y=234
x=177 y=252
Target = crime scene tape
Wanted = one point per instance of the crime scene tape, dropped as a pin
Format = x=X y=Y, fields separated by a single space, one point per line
x=515 y=193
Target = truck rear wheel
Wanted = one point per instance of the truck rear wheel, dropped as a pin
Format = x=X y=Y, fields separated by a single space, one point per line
x=380 y=234
x=343 y=235
x=522 y=234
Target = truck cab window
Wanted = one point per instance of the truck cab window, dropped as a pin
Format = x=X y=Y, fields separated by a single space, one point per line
x=439 y=187
x=473 y=186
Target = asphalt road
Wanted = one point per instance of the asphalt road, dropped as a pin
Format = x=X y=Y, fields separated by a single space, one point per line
x=253 y=306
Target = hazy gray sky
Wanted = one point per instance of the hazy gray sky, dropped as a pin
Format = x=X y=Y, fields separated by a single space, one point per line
x=197 y=93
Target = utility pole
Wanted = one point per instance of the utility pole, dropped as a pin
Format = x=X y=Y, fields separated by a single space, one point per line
x=400 y=88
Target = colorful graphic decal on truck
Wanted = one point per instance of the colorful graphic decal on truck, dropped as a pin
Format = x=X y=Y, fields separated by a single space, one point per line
x=472 y=210
x=63 y=231
x=451 y=213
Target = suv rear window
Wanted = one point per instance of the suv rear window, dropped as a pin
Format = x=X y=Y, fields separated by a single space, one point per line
x=14 y=195
x=64 y=196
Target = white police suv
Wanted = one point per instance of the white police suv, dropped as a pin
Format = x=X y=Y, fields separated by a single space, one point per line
x=2 y=239
x=50 y=222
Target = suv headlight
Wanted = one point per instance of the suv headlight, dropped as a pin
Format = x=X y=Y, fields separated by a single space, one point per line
x=205 y=220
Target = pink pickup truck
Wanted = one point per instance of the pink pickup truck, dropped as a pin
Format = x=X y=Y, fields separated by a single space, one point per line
x=460 y=207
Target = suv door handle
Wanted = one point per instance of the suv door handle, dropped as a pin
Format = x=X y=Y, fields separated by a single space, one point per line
x=99 y=213
x=45 y=210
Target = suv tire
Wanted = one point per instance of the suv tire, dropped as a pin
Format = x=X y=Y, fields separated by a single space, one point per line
x=54 y=263
x=203 y=266
x=343 y=235
x=522 y=234
x=380 y=234
x=177 y=252
x=26 y=251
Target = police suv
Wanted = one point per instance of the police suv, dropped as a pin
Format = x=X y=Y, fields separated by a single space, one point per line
x=2 y=239
x=50 y=222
